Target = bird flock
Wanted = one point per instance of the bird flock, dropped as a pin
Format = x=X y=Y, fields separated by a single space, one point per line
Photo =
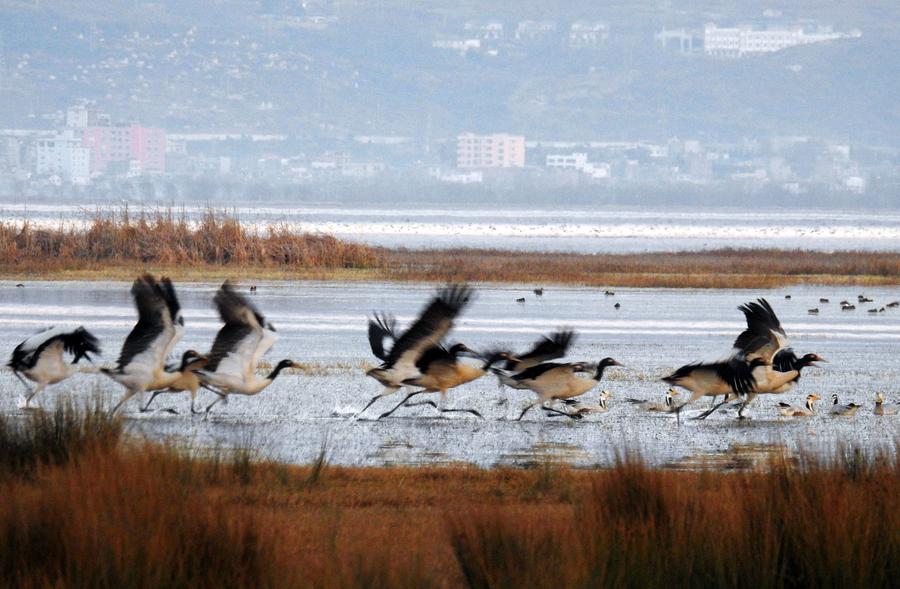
x=418 y=360
x=230 y=367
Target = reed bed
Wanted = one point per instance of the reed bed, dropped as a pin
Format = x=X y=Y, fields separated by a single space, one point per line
x=165 y=238
x=724 y=268
x=127 y=513
x=118 y=244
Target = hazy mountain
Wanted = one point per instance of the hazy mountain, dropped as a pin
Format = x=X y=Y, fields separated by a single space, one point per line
x=331 y=69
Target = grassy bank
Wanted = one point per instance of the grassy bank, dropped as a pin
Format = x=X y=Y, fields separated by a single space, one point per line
x=119 y=245
x=109 y=512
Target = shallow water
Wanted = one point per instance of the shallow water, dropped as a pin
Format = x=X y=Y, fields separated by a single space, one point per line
x=656 y=330
x=534 y=228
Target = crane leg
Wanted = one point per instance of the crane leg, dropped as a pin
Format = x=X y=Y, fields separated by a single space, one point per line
x=401 y=403
x=472 y=411
x=127 y=396
x=387 y=391
x=147 y=406
x=553 y=412
x=711 y=410
x=524 y=411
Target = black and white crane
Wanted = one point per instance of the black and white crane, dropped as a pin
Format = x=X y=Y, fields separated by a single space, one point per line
x=42 y=357
x=760 y=363
x=442 y=369
x=230 y=367
x=554 y=381
x=549 y=347
x=142 y=361
x=399 y=365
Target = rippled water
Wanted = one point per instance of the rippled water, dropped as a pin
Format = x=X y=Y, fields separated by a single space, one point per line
x=323 y=325
x=584 y=229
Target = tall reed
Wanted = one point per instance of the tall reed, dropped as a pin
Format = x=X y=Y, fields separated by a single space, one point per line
x=126 y=513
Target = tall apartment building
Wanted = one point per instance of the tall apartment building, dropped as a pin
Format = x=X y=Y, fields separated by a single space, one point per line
x=63 y=155
x=126 y=143
x=490 y=151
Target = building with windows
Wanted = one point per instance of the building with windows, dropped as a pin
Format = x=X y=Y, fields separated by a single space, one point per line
x=490 y=151
x=745 y=40
x=63 y=155
x=124 y=143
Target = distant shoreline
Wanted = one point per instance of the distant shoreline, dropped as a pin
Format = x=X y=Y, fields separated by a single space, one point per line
x=709 y=269
x=118 y=245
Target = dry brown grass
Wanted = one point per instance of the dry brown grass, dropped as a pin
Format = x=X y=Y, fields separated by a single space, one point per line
x=118 y=245
x=165 y=239
x=726 y=268
x=138 y=515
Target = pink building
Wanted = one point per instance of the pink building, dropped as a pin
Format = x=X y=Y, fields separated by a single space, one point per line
x=132 y=143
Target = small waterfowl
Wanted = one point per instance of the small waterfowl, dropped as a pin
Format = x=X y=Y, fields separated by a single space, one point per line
x=580 y=411
x=893 y=305
x=608 y=293
x=813 y=311
x=787 y=297
x=41 y=357
x=823 y=300
x=864 y=299
x=843 y=410
x=433 y=324
x=520 y=300
x=617 y=306
x=882 y=408
x=553 y=381
x=807 y=410
x=667 y=406
x=539 y=292
x=848 y=307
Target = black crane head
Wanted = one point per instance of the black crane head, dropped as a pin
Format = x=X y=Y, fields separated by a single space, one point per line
x=810 y=360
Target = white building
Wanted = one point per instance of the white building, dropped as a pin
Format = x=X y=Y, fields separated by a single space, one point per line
x=534 y=31
x=588 y=34
x=744 y=40
x=573 y=161
x=81 y=116
x=462 y=46
x=63 y=155
x=488 y=31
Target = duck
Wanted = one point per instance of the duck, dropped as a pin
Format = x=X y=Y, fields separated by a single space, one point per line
x=807 y=410
x=842 y=410
x=813 y=311
x=580 y=411
x=823 y=300
x=667 y=406
x=885 y=409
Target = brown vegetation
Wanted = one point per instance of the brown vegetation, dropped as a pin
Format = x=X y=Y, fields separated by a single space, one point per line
x=117 y=514
x=119 y=245
x=166 y=239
